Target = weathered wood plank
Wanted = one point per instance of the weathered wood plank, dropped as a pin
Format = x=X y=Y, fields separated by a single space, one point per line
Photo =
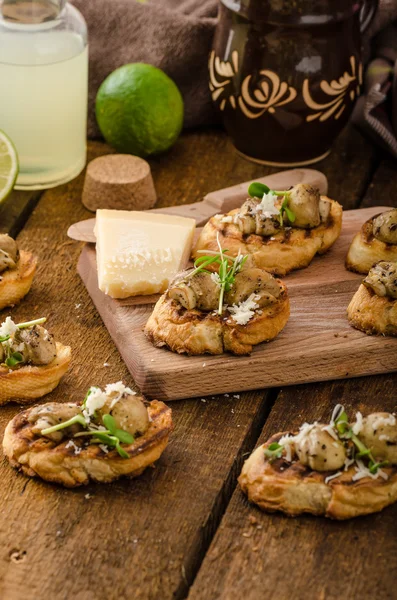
x=270 y=556
x=258 y=555
x=143 y=538
x=147 y=535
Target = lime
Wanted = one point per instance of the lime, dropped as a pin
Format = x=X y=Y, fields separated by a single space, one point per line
x=8 y=166
x=139 y=110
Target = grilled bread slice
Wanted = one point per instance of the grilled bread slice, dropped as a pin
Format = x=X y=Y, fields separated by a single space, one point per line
x=198 y=332
x=27 y=383
x=373 y=314
x=76 y=463
x=366 y=250
x=289 y=249
x=294 y=489
x=16 y=283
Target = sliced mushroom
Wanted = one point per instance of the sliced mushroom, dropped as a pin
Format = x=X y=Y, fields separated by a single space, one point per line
x=267 y=225
x=379 y=434
x=304 y=202
x=36 y=345
x=325 y=209
x=318 y=450
x=198 y=291
x=382 y=279
x=246 y=220
x=130 y=413
x=8 y=253
x=53 y=414
x=253 y=281
x=384 y=227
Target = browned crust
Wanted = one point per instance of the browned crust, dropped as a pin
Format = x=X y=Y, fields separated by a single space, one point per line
x=16 y=283
x=365 y=250
x=196 y=332
x=286 y=251
x=28 y=383
x=372 y=314
x=295 y=489
x=39 y=456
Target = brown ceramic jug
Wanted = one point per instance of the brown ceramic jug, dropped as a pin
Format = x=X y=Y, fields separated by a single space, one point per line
x=285 y=74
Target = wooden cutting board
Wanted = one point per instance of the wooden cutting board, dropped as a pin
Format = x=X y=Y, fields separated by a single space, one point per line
x=317 y=343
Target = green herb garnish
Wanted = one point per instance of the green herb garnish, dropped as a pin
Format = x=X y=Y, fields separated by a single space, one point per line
x=257 y=190
x=345 y=432
x=228 y=269
x=111 y=436
x=273 y=451
x=15 y=358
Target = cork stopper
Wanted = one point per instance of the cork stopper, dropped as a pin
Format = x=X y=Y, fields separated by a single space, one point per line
x=118 y=181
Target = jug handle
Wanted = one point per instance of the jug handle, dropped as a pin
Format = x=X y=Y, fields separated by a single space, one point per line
x=367 y=13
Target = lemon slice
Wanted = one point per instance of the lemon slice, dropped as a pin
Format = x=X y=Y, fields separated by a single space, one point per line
x=8 y=166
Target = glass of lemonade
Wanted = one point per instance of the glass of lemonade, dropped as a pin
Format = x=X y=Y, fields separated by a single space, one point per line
x=44 y=88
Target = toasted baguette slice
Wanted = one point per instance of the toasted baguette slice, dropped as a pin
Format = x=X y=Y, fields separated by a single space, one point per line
x=365 y=250
x=290 y=249
x=294 y=489
x=15 y=283
x=371 y=313
x=30 y=382
x=62 y=463
x=197 y=332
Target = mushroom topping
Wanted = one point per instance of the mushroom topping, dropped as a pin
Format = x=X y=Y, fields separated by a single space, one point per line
x=246 y=220
x=8 y=253
x=325 y=209
x=384 y=227
x=36 y=345
x=254 y=281
x=317 y=449
x=266 y=225
x=53 y=414
x=379 y=434
x=199 y=291
x=303 y=201
x=129 y=413
x=382 y=279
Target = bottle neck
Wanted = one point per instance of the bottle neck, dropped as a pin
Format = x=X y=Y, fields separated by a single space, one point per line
x=30 y=11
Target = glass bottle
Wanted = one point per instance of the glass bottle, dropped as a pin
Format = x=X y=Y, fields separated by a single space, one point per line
x=44 y=88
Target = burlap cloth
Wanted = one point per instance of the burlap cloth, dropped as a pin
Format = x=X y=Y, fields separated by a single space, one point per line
x=176 y=35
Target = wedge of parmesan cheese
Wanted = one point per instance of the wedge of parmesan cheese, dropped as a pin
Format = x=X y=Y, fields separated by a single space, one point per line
x=139 y=253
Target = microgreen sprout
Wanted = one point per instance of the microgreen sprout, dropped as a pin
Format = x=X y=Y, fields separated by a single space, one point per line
x=76 y=419
x=345 y=432
x=257 y=190
x=228 y=269
x=15 y=358
x=273 y=451
x=111 y=436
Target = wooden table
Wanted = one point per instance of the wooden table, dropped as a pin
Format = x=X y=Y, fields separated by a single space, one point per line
x=184 y=529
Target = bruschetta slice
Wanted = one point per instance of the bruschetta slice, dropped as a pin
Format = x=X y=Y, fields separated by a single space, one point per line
x=17 y=269
x=373 y=308
x=113 y=433
x=375 y=242
x=31 y=362
x=280 y=230
x=337 y=469
x=228 y=310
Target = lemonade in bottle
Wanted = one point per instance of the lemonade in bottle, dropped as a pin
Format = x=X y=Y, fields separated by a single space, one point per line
x=43 y=89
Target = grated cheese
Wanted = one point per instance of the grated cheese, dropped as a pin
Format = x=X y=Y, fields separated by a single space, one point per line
x=358 y=425
x=267 y=205
x=216 y=279
x=362 y=471
x=95 y=401
x=334 y=476
x=76 y=448
x=243 y=312
x=8 y=327
x=117 y=390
